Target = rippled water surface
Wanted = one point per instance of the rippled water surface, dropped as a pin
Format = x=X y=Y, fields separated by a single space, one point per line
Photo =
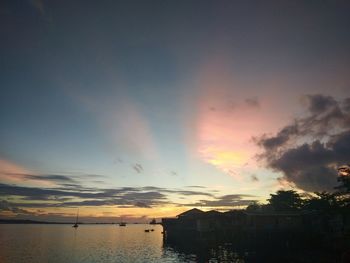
x=88 y=243
x=112 y=243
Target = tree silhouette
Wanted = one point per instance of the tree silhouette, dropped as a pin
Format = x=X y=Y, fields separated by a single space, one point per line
x=344 y=178
x=344 y=187
x=323 y=201
x=253 y=206
x=285 y=200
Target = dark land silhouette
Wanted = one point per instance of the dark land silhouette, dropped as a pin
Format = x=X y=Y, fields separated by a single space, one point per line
x=289 y=228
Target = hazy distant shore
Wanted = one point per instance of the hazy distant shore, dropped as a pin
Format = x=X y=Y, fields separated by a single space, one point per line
x=27 y=221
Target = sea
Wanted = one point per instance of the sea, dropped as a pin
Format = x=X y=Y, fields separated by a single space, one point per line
x=36 y=243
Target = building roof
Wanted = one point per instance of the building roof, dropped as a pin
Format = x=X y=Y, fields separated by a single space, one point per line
x=191 y=212
x=213 y=212
x=274 y=213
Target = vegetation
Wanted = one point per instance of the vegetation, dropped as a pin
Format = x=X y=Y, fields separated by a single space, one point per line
x=344 y=179
x=286 y=201
x=290 y=200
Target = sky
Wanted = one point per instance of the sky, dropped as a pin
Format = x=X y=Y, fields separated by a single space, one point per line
x=131 y=110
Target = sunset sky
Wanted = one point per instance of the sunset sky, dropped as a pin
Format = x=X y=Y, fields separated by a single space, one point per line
x=142 y=109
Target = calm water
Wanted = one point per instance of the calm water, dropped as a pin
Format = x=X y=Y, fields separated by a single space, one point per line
x=90 y=243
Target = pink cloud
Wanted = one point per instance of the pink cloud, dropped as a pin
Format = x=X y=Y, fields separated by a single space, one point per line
x=11 y=172
x=225 y=123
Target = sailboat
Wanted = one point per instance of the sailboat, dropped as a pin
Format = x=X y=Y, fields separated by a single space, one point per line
x=76 y=220
x=121 y=223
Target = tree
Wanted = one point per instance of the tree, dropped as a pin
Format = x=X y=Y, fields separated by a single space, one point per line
x=323 y=201
x=344 y=178
x=285 y=200
x=344 y=187
x=253 y=206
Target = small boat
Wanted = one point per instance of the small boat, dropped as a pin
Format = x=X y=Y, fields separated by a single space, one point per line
x=146 y=230
x=152 y=230
x=153 y=222
x=121 y=222
x=76 y=220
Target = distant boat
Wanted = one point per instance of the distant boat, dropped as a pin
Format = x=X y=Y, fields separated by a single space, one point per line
x=152 y=230
x=153 y=222
x=121 y=222
x=76 y=220
x=146 y=230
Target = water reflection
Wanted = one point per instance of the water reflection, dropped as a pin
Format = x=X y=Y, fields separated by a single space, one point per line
x=201 y=253
x=111 y=243
x=88 y=243
x=227 y=252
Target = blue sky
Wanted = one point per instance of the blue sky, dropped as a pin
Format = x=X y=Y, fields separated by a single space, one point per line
x=167 y=94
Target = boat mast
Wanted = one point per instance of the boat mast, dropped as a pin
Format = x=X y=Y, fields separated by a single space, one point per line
x=76 y=220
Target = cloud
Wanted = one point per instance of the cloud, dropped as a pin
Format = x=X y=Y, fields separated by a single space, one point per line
x=12 y=172
x=280 y=139
x=142 y=204
x=228 y=201
x=309 y=166
x=317 y=104
x=146 y=197
x=224 y=120
x=173 y=173
x=308 y=151
x=53 y=177
x=124 y=197
x=190 y=193
x=137 y=167
x=252 y=102
x=6 y=206
x=254 y=178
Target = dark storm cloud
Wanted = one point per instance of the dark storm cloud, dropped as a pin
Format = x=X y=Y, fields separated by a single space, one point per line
x=308 y=151
x=280 y=139
x=319 y=103
x=309 y=166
